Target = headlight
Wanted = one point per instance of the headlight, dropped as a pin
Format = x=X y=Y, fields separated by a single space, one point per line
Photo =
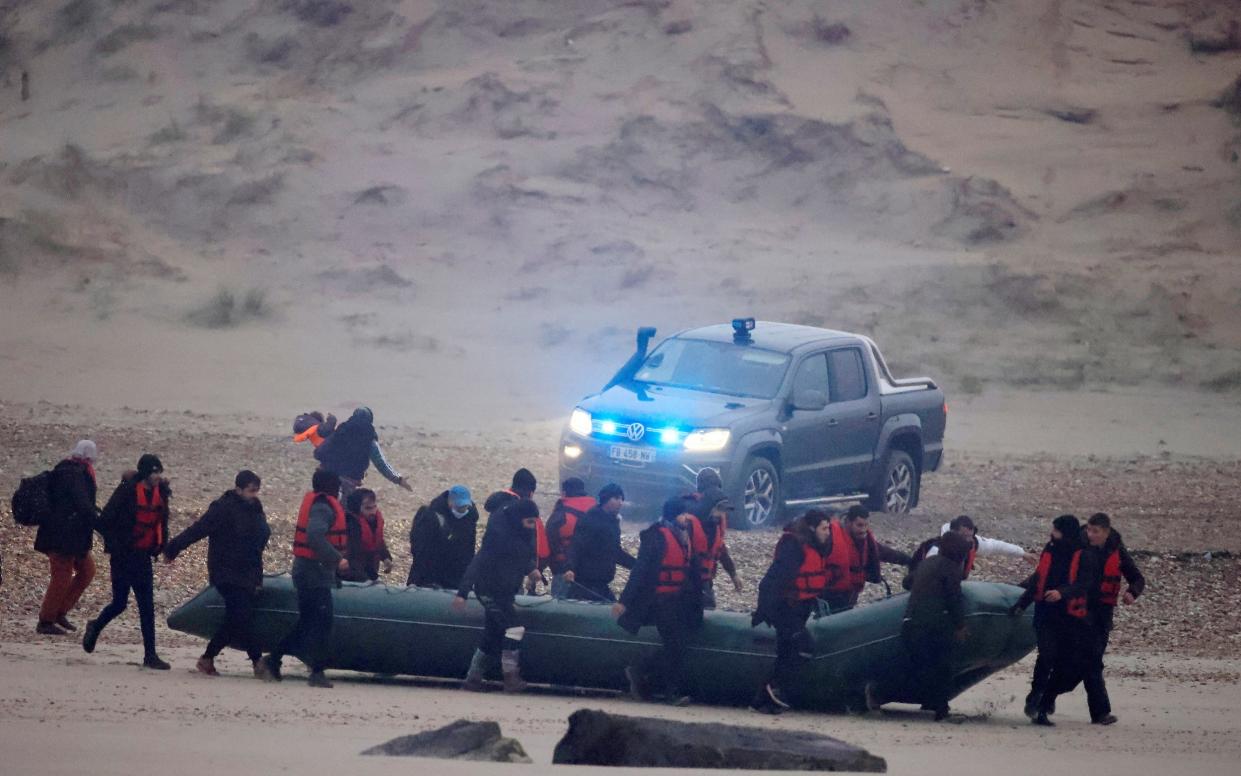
x=707 y=440
x=572 y=452
x=579 y=422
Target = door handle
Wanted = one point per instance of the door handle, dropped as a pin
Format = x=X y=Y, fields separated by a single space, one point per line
x=872 y=416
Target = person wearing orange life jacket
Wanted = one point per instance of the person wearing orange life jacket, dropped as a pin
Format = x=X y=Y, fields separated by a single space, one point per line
x=365 y=547
x=313 y=427
x=570 y=508
x=320 y=540
x=596 y=550
x=134 y=524
x=524 y=486
x=663 y=590
x=787 y=596
x=712 y=512
x=1116 y=567
x=1060 y=588
x=980 y=547
x=854 y=557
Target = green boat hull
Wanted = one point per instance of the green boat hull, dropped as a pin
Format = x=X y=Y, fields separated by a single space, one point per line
x=413 y=631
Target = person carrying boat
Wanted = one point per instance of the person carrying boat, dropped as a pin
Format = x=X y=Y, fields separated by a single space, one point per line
x=365 y=546
x=570 y=508
x=523 y=486
x=712 y=513
x=442 y=538
x=935 y=621
x=664 y=589
x=313 y=427
x=495 y=576
x=236 y=531
x=319 y=543
x=853 y=559
x=980 y=547
x=596 y=549
x=1060 y=588
x=787 y=596
x=1116 y=566
x=352 y=448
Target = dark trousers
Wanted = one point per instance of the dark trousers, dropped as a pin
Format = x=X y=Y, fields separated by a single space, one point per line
x=793 y=641
x=666 y=667
x=310 y=636
x=585 y=590
x=132 y=571
x=499 y=616
x=930 y=653
x=1096 y=689
x=238 y=617
x=837 y=602
x=1058 y=667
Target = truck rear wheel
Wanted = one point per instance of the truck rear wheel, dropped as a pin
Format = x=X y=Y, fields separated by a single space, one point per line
x=760 y=494
x=897 y=489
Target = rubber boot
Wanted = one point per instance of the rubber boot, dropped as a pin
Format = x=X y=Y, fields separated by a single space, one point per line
x=510 y=664
x=478 y=670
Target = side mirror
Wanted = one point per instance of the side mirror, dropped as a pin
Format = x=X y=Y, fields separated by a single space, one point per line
x=809 y=400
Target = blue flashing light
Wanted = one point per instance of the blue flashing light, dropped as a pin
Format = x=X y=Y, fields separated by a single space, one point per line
x=670 y=436
x=608 y=427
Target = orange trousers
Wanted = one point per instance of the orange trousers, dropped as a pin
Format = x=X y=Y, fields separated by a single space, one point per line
x=71 y=575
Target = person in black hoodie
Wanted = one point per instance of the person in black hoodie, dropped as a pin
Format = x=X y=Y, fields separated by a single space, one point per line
x=350 y=450
x=787 y=596
x=596 y=550
x=495 y=575
x=712 y=513
x=1116 y=565
x=442 y=538
x=664 y=589
x=236 y=531
x=1060 y=589
x=935 y=620
x=524 y=486
x=134 y=525
x=65 y=537
x=366 y=548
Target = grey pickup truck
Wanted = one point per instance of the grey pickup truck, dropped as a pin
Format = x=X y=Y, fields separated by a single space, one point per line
x=790 y=416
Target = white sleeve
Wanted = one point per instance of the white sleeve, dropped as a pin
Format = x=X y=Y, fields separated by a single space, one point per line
x=933 y=551
x=995 y=547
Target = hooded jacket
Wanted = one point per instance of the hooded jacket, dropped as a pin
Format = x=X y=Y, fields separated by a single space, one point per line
x=347 y=451
x=1128 y=568
x=935 y=599
x=68 y=528
x=363 y=563
x=596 y=550
x=639 y=596
x=504 y=559
x=785 y=566
x=441 y=543
x=237 y=532
x=702 y=510
x=1086 y=584
x=116 y=521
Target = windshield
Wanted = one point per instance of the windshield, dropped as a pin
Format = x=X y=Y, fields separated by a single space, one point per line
x=715 y=367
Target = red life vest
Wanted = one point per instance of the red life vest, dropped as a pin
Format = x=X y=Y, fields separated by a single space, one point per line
x=674 y=568
x=1076 y=607
x=310 y=435
x=811 y=579
x=1109 y=587
x=372 y=537
x=337 y=533
x=149 y=519
x=542 y=549
x=710 y=556
x=969 y=560
x=846 y=566
x=575 y=508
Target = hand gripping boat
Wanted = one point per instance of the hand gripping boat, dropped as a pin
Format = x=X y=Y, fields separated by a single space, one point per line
x=394 y=630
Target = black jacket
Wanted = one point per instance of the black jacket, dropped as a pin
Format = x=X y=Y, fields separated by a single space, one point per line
x=1086 y=584
x=780 y=576
x=363 y=564
x=116 y=521
x=504 y=559
x=347 y=451
x=236 y=531
x=596 y=549
x=441 y=543
x=69 y=526
x=638 y=597
x=1128 y=568
x=554 y=525
x=935 y=598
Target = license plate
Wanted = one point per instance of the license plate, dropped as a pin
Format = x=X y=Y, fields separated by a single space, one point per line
x=626 y=454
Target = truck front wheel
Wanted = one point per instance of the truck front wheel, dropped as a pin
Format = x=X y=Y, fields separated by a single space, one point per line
x=897 y=489
x=760 y=494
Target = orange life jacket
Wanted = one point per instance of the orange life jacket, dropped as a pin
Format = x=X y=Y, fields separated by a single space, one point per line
x=1076 y=607
x=149 y=519
x=337 y=533
x=372 y=538
x=969 y=560
x=310 y=435
x=575 y=508
x=846 y=566
x=710 y=555
x=811 y=579
x=674 y=568
x=1109 y=587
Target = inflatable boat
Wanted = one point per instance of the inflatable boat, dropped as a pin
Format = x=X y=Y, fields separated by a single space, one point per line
x=414 y=631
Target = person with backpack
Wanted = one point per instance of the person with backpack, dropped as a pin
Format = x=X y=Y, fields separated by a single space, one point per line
x=134 y=525
x=66 y=533
x=351 y=449
x=441 y=539
x=236 y=531
x=365 y=547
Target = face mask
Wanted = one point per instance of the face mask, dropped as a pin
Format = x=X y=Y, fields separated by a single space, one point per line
x=460 y=511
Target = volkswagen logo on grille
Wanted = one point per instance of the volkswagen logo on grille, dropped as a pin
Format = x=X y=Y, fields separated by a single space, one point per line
x=635 y=431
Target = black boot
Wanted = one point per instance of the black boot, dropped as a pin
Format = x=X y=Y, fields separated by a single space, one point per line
x=91 y=635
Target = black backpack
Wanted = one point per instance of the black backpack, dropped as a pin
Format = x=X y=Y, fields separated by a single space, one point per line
x=32 y=499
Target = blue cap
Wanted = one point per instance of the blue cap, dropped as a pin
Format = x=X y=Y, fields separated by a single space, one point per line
x=459 y=495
